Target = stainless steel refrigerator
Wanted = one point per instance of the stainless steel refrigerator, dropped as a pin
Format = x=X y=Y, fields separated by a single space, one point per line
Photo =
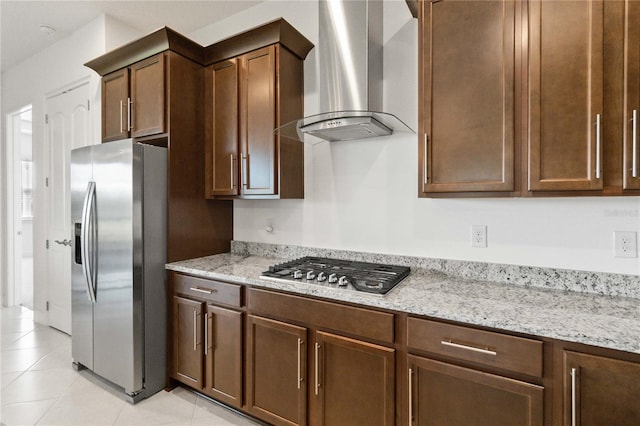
x=118 y=216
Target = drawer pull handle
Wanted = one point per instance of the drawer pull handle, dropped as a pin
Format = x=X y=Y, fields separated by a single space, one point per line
x=203 y=290
x=486 y=351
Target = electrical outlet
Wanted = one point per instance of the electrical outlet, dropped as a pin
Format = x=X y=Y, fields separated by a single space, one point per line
x=479 y=236
x=624 y=243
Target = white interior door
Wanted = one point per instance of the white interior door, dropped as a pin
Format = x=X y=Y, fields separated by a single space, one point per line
x=68 y=127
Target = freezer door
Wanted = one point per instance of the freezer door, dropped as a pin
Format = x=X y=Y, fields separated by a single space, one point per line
x=118 y=315
x=81 y=306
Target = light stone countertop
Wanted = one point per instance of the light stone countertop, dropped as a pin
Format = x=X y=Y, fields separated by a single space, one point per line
x=606 y=321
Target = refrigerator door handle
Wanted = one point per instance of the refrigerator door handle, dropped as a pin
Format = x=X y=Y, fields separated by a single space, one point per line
x=87 y=225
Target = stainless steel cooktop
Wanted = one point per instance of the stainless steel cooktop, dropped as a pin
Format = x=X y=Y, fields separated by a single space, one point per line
x=340 y=274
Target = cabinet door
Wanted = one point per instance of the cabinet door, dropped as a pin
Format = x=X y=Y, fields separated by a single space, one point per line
x=276 y=369
x=467 y=71
x=257 y=121
x=221 y=87
x=565 y=95
x=353 y=382
x=631 y=175
x=148 y=97
x=600 y=391
x=223 y=354
x=187 y=341
x=448 y=395
x=115 y=94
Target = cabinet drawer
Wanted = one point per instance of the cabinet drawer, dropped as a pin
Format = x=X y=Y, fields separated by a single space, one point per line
x=482 y=347
x=214 y=291
x=357 y=321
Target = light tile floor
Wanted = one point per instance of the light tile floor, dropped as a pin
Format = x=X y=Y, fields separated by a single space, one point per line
x=39 y=386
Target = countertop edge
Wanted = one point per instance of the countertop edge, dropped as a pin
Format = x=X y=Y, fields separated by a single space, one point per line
x=602 y=321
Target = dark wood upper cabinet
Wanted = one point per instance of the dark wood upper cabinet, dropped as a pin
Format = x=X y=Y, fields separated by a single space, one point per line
x=133 y=100
x=566 y=95
x=449 y=395
x=468 y=96
x=257 y=121
x=247 y=97
x=599 y=391
x=631 y=124
x=532 y=98
x=221 y=106
x=115 y=95
x=148 y=97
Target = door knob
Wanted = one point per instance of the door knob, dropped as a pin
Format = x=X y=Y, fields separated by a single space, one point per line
x=64 y=242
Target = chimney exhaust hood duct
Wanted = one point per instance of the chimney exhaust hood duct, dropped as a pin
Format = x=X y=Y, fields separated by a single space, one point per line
x=350 y=70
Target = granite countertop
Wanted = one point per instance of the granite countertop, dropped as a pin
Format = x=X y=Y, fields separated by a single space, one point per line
x=600 y=320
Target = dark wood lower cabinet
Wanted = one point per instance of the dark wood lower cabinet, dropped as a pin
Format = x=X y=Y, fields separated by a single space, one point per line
x=276 y=370
x=207 y=339
x=354 y=382
x=223 y=354
x=448 y=395
x=187 y=341
x=600 y=391
x=293 y=371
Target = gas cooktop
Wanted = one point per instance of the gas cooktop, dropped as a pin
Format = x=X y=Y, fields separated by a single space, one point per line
x=340 y=274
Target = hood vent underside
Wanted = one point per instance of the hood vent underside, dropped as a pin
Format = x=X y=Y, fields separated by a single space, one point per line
x=342 y=126
x=350 y=61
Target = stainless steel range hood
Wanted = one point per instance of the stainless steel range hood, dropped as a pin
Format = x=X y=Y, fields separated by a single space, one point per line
x=350 y=62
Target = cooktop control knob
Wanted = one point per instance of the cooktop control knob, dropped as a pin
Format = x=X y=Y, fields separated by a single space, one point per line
x=322 y=276
x=311 y=275
x=343 y=281
x=297 y=274
x=333 y=278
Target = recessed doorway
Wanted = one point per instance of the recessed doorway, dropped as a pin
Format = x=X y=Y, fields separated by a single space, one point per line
x=20 y=208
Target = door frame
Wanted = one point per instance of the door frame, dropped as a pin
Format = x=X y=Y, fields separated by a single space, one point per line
x=10 y=289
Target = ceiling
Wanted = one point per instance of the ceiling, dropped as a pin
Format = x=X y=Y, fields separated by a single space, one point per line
x=20 y=20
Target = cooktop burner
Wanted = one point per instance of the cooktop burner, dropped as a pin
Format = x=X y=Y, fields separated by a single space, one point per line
x=343 y=274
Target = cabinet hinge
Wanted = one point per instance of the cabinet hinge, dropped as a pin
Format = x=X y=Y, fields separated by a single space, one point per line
x=47 y=306
x=47 y=244
x=46 y=182
x=46 y=119
x=88 y=105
